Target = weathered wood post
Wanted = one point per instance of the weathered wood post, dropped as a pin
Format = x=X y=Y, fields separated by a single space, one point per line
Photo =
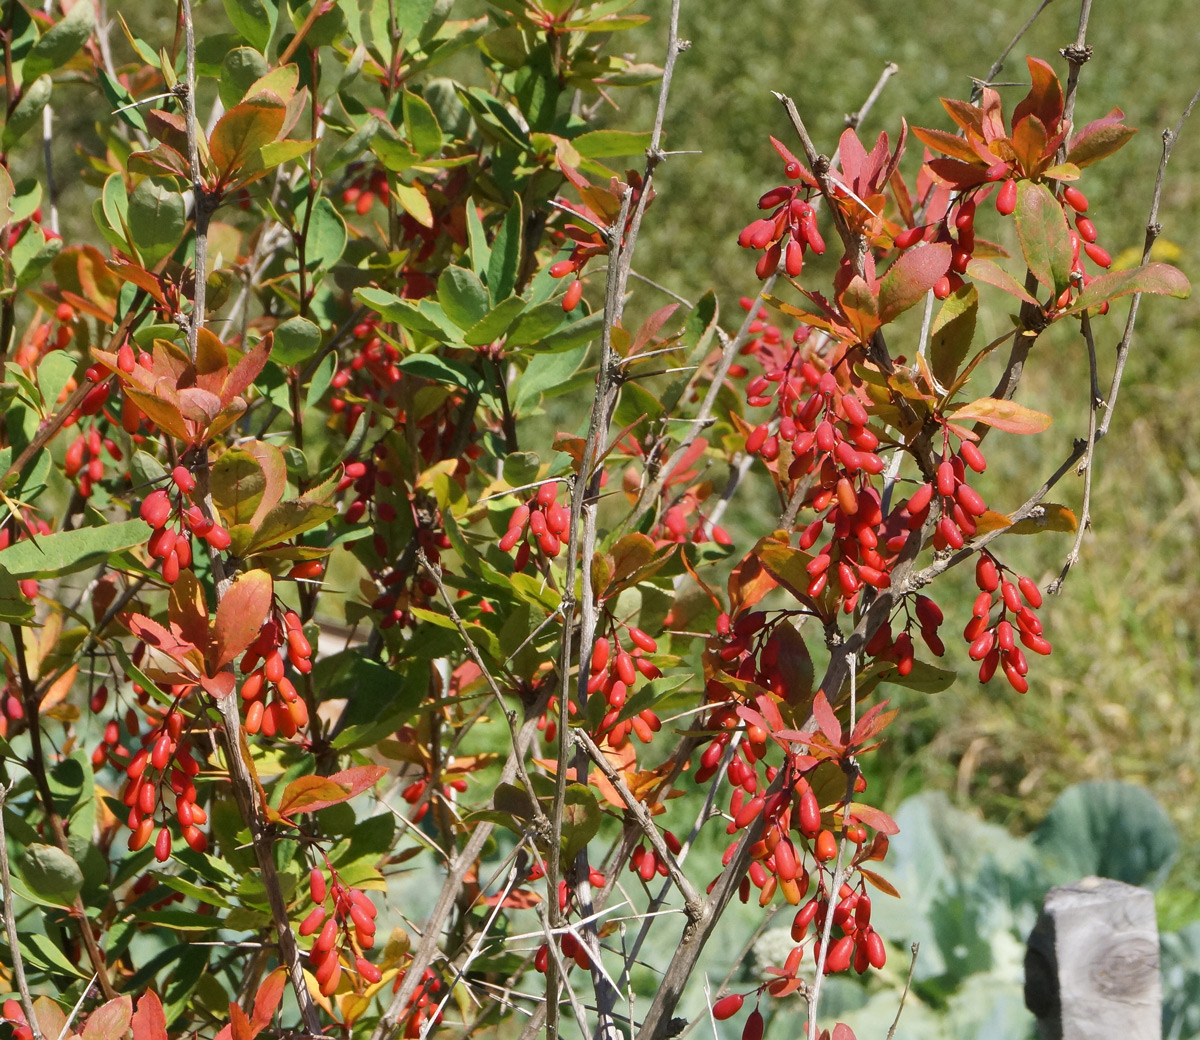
x=1091 y=967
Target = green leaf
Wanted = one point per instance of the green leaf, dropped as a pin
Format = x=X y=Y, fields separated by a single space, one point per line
x=287 y=520
x=480 y=251
x=505 y=261
x=14 y=607
x=119 y=97
x=156 y=220
x=238 y=483
x=993 y=274
x=53 y=372
x=327 y=236
x=240 y=68
x=1044 y=235
x=1162 y=279
x=69 y=551
x=254 y=19
x=403 y=312
x=296 y=340
x=953 y=332
x=577 y=332
x=495 y=323
x=32 y=254
x=581 y=820
x=1110 y=829
x=546 y=371
x=439 y=370
x=60 y=43
x=51 y=873
x=611 y=144
x=462 y=296
x=424 y=133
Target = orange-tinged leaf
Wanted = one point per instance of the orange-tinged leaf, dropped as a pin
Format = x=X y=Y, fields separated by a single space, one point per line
x=163 y=413
x=826 y=720
x=966 y=115
x=879 y=881
x=992 y=521
x=270 y=993
x=239 y=1024
x=1029 y=142
x=110 y=1020
x=310 y=793
x=241 y=132
x=240 y=616
x=1003 y=415
x=149 y=1020
x=947 y=144
x=861 y=308
x=248 y=369
x=1052 y=517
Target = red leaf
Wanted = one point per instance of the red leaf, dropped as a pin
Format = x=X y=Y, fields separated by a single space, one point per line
x=149 y=1021
x=873 y=722
x=843 y=1032
x=310 y=793
x=183 y=653
x=1045 y=97
x=247 y=370
x=239 y=1023
x=240 y=616
x=827 y=721
x=874 y=818
x=956 y=173
x=911 y=277
x=1099 y=138
x=994 y=274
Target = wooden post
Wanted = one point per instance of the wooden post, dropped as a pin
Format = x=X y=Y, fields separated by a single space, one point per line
x=1091 y=967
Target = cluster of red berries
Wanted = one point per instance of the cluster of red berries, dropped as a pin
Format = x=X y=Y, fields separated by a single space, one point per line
x=43 y=337
x=164 y=763
x=415 y=795
x=362 y=192
x=421 y=1009
x=790 y=229
x=342 y=933
x=542 y=517
x=929 y=617
x=83 y=459
x=960 y=504
x=646 y=862
x=263 y=666
x=174 y=545
x=993 y=639
x=613 y=676
x=374 y=362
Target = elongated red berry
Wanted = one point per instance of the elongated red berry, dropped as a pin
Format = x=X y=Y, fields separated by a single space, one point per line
x=156 y=508
x=727 y=1006
x=1006 y=198
x=1076 y=199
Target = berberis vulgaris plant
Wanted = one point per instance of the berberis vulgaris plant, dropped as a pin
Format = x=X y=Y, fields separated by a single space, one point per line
x=345 y=696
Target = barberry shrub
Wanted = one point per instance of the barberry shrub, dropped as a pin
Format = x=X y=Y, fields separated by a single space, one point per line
x=344 y=695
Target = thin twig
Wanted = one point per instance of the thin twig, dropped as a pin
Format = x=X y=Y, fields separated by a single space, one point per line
x=10 y=926
x=912 y=966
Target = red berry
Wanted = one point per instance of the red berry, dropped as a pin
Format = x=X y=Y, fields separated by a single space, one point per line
x=1076 y=199
x=156 y=508
x=1006 y=198
x=727 y=1006
x=572 y=296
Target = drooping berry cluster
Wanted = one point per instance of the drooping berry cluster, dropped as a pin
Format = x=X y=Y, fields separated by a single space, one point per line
x=343 y=931
x=990 y=633
x=169 y=517
x=543 y=518
x=613 y=677
x=792 y=226
x=286 y=712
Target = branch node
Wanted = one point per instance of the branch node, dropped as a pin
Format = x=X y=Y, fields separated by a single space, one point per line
x=1076 y=54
